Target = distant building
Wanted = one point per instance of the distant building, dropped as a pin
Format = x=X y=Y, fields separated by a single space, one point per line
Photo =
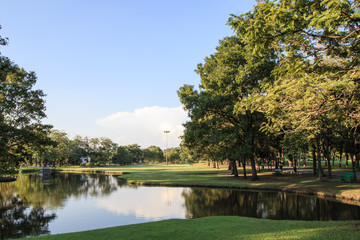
x=84 y=160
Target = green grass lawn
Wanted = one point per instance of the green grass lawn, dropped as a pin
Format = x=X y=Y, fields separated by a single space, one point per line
x=222 y=228
x=203 y=175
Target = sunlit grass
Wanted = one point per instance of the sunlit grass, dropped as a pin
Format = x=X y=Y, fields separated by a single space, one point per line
x=223 y=228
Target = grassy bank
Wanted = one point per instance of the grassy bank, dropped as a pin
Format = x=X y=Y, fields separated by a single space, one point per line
x=202 y=175
x=222 y=228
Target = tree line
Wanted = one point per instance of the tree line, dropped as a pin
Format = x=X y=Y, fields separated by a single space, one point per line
x=284 y=86
x=101 y=151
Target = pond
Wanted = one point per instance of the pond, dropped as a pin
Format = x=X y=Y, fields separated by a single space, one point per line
x=68 y=202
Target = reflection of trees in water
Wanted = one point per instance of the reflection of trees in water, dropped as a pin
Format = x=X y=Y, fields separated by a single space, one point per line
x=23 y=202
x=54 y=193
x=18 y=219
x=271 y=205
x=101 y=185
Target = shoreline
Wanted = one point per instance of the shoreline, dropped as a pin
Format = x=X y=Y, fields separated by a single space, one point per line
x=131 y=175
x=7 y=179
x=355 y=200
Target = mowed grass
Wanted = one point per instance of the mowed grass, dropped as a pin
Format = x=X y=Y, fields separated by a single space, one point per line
x=205 y=176
x=222 y=228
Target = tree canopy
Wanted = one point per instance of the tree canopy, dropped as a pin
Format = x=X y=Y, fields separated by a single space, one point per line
x=22 y=109
x=290 y=72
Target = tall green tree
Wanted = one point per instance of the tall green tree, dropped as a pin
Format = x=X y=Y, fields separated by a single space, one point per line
x=102 y=150
x=153 y=154
x=121 y=156
x=135 y=152
x=57 y=154
x=22 y=109
x=219 y=122
x=174 y=155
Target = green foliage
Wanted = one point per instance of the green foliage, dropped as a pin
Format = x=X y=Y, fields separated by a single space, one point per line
x=56 y=154
x=288 y=80
x=315 y=91
x=174 y=155
x=135 y=153
x=21 y=110
x=221 y=126
x=122 y=156
x=89 y=164
x=102 y=152
x=317 y=73
x=153 y=154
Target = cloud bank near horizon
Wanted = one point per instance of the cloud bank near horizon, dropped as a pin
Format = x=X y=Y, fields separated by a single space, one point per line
x=146 y=126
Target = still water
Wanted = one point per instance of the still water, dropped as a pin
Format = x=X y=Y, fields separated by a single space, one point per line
x=65 y=203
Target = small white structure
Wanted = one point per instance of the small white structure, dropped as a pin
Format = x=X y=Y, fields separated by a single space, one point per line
x=83 y=178
x=45 y=172
x=84 y=160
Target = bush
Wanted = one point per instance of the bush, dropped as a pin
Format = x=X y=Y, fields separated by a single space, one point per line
x=89 y=164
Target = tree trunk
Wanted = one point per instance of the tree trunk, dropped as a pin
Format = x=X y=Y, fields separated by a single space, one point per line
x=244 y=167
x=327 y=156
x=353 y=166
x=328 y=160
x=318 y=156
x=353 y=153
x=269 y=163
x=346 y=159
x=340 y=158
x=253 y=169
x=236 y=174
x=294 y=163
x=314 y=160
x=290 y=159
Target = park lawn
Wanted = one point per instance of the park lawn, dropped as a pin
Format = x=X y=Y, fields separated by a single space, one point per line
x=201 y=175
x=230 y=227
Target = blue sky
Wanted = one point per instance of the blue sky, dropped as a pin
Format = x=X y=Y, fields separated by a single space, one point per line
x=112 y=68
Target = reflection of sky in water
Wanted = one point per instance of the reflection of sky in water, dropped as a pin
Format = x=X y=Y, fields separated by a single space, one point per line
x=146 y=202
x=126 y=205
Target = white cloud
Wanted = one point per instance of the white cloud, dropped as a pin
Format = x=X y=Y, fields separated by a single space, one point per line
x=146 y=126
